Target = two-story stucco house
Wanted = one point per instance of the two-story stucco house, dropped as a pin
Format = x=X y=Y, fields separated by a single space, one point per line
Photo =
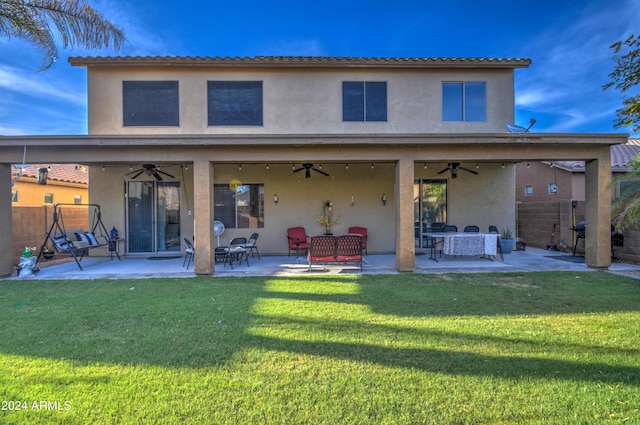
x=261 y=143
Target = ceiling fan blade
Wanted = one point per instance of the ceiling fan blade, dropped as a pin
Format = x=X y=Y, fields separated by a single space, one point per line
x=320 y=171
x=134 y=171
x=299 y=169
x=442 y=171
x=156 y=175
x=166 y=174
x=467 y=170
x=137 y=174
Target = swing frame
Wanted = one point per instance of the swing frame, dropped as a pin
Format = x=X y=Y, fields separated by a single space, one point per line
x=65 y=241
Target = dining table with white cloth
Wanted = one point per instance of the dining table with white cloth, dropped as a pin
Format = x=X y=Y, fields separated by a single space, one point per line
x=464 y=243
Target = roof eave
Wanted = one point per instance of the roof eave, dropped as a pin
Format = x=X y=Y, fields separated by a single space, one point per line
x=299 y=62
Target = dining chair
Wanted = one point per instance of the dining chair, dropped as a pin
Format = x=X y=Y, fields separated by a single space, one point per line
x=450 y=228
x=188 y=253
x=494 y=229
x=472 y=229
x=236 y=251
x=251 y=245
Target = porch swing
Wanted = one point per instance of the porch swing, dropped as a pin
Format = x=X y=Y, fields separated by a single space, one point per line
x=77 y=242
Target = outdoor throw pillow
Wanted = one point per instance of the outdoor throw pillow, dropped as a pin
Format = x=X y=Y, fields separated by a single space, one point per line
x=62 y=242
x=91 y=239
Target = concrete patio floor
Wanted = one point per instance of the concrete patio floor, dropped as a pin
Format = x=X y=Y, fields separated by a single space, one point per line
x=141 y=267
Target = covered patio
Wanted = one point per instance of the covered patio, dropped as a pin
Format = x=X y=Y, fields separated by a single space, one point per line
x=364 y=168
x=530 y=260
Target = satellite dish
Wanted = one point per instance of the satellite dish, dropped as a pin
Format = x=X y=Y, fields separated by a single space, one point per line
x=516 y=128
x=218 y=229
x=519 y=129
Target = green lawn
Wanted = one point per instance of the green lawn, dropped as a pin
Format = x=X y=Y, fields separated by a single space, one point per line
x=543 y=348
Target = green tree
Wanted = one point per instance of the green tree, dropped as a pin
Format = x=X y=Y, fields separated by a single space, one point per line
x=626 y=212
x=625 y=78
x=74 y=22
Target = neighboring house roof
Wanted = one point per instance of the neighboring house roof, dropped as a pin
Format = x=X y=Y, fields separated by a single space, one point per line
x=301 y=61
x=621 y=157
x=70 y=173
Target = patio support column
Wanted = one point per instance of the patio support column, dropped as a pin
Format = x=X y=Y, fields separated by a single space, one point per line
x=598 y=210
x=6 y=241
x=204 y=256
x=405 y=238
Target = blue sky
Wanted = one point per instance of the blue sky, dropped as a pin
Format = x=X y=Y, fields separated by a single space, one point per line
x=568 y=42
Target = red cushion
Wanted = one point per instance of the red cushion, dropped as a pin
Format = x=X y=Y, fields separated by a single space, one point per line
x=322 y=259
x=345 y=258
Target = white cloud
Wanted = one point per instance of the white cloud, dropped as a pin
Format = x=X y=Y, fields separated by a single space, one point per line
x=34 y=85
x=570 y=64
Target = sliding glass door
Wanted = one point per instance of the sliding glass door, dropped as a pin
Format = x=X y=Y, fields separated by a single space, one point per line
x=153 y=216
x=430 y=207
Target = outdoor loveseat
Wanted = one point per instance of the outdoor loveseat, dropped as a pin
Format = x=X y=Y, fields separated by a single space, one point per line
x=343 y=249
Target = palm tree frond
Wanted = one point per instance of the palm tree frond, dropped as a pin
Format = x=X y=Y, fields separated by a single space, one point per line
x=75 y=22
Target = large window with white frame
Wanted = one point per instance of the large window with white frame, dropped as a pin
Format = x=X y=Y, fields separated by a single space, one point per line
x=464 y=101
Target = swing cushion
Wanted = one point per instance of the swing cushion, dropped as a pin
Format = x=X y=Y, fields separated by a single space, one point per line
x=89 y=238
x=62 y=242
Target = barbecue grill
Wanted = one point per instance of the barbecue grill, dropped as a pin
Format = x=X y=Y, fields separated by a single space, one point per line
x=617 y=239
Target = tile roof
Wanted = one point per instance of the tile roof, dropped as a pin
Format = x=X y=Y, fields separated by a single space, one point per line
x=70 y=173
x=621 y=157
x=301 y=61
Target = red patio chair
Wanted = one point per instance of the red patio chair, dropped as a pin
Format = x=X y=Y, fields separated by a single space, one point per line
x=298 y=239
x=362 y=231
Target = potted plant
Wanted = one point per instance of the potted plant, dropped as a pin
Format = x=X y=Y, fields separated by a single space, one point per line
x=47 y=253
x=326 y=219
x=507 y=242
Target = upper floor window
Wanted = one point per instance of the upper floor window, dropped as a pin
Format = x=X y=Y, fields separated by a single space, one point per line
x=150 y=103
x=48 y=198
x=364 y=101
x=464 y=101
x=553 y=188
x=234 y=102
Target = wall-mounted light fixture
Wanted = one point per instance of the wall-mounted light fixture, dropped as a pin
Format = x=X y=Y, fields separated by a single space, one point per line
x=43 y=173
x=275 y=198
x=353 y=200
x=383 y=198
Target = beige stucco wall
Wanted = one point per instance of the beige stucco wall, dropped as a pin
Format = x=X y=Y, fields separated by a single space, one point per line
x=355 y=192
x=305 y=101
x=31 y=194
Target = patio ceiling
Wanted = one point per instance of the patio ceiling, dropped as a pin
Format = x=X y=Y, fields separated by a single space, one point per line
x=178 y=149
